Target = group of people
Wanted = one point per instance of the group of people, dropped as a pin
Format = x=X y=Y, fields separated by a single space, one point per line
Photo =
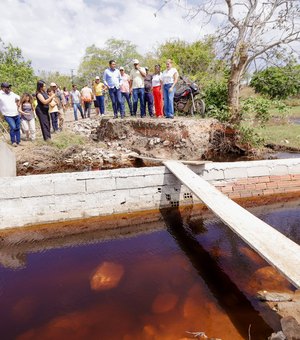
x=153 y=92
x=20 y=112
x=148 y=90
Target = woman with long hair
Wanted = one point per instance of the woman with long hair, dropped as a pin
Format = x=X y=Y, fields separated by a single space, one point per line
x=27 y=116
x=157 y=93
x=169 y=79
x=42 y=109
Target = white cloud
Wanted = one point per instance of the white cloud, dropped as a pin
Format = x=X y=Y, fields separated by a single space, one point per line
x=54 y=34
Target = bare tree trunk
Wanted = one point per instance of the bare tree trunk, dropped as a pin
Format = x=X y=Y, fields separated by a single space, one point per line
x=236 y=74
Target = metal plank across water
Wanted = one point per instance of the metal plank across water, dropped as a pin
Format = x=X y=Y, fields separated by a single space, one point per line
x=278 y=250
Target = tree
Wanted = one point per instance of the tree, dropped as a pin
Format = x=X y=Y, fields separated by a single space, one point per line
x=196 y=60
x=277 y=82
x=15 y=70
x=251 y=29
x=95 y=60
x=62 y=80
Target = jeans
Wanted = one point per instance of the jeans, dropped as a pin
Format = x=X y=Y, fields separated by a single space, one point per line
x=87 y=109
x=116 y=100
x=126 y=96
x=138 y=95
x=100 y=101
x=14 y=126
x=169 y=101
x=149 y=100
x=75 y=107
x=54 y=120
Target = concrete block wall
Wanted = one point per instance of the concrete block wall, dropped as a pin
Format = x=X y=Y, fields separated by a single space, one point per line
x=8 y=166
x=30 y=200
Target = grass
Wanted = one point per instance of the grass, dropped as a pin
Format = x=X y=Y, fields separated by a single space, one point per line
x=281 y=133
x=64 y=140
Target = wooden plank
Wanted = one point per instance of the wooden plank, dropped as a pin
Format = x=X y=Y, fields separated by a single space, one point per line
x=278 y=250
x=162 y=160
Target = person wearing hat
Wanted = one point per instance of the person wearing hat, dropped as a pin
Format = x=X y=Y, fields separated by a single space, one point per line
x=61 y=104
x=9 y=109
x=137 y=87
x=125 y=90
x=98 y=91
x=112 y=79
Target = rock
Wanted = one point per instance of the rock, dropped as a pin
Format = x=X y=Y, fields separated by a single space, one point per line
x=277 y=336
x=290 y=328
x=164 y=303
x=106 y=276
x=268 y=278
x=264 y=295
x=26 y=163
x=166 y=143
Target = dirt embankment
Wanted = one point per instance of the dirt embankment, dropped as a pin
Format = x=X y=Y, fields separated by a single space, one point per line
x=111 y=143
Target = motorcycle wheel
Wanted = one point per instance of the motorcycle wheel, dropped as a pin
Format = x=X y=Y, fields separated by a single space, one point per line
x=200 y=107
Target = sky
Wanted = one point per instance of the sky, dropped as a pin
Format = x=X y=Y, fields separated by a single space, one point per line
x=54 y=34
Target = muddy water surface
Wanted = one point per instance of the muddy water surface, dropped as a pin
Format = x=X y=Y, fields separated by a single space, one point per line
x=190 y=275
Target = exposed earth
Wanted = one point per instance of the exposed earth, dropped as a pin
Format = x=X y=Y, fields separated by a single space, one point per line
x=106 y=143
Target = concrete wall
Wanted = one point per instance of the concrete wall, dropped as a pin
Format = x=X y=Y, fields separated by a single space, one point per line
x=7 y=161
x=40 y=199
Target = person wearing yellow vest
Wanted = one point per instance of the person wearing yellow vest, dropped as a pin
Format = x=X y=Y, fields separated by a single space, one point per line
x=98 y=91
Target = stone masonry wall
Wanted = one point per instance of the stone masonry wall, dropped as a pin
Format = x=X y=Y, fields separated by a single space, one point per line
x=29 y=200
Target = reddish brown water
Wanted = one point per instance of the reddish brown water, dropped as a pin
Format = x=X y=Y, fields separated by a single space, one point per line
x=191 y=275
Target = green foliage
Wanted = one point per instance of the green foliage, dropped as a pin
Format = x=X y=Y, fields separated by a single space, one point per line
x=61 y=80
x=216 y=94
x=95 y=60
x=277 y=82
x=260 y=108
x=249 y=136
x=64 y=140
x=195 y=60
x=15 y=70
x=222 y=114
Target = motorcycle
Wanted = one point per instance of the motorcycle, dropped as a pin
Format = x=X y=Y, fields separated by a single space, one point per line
x=188 y=98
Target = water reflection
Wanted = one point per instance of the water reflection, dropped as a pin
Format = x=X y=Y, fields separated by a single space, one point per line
x=152 y=285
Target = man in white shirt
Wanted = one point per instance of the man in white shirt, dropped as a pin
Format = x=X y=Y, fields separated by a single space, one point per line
x=9 y=109
x=137 y=87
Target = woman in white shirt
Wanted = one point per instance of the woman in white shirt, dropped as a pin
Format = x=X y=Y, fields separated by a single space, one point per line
x=157 y=94
x=169 y=79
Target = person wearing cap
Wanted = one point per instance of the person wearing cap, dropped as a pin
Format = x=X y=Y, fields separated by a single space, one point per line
x=112 y=80
x=148 y=92
x=137 y=87
x=125 y=90
x=9 y=109
x=169 y=79
x=61 y=104
x=98 y=91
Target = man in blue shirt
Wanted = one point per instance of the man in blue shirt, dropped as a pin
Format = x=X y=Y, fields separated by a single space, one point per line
x=112 y=79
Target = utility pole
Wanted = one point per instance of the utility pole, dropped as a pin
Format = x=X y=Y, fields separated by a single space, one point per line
x=72 y=75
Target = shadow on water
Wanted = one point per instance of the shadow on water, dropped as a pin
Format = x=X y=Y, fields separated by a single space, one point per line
x=229 y=297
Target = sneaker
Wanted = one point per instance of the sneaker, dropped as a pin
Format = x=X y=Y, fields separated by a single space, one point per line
x=14 y=144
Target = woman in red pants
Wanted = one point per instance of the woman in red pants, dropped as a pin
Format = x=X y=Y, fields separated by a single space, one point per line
x=157 y=93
